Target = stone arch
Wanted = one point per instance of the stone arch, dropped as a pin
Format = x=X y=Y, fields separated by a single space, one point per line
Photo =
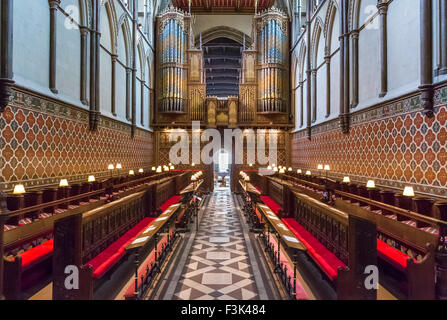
x=329 y=23
x=224 y=32
x=301 y=60
x=316 y=34
x=125 y=27
x=354 y=14
x=141 y=55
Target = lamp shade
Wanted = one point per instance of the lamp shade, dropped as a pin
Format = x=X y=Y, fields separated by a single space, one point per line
x=111 y=167
x=251 y=164
x=320 y=167
x=247 y=178
x=290 y=169
x=308 y=173
x=159 y=169
x=19 y=189
x=346 y=180
x=91 y=179
x=327 y=167
x=140 y=170
x=408 y=191
x=131 y=172
x=193 y=164
x=63 y=183
x=370 y=184
x=282 y=170
x=299 y=171
x=275 y=169
x=153 y=168
x=269 y=168
x=171 y=167
x=119 y=166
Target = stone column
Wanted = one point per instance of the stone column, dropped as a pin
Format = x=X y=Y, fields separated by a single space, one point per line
x=383 y=9
x=114 y=58
x=134 y=67
x=92 y=109
x=327 y=60
x=426 y=86
x=301 y=103
x=84 y=33
x=98 y=63
x=54 y=4
x=314 y=95
x=128 y=95
x=142 y=102
x=344 y=68
x=355 y=68
x=6 y=56
x=308 y=71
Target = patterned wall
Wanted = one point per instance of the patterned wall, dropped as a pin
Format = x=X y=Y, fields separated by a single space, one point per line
x=42 y=141
x=394 y=143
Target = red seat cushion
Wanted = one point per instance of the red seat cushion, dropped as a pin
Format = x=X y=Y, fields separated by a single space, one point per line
x=391 y=255
x=275 y=207
x=36 y=254
x=172 y=200
x=113 y=253
x=321 y=255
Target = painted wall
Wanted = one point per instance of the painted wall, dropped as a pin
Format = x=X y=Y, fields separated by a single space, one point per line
x=390 y=139
x=45 y=136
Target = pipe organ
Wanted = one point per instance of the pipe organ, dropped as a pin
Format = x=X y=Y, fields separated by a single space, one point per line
x=172 y=46
x=273 y=71
x=263 y=83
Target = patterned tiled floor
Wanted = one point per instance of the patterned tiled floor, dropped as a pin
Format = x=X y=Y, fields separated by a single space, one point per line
x=218 y=266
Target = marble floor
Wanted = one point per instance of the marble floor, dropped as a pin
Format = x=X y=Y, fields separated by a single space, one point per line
x=218 y=265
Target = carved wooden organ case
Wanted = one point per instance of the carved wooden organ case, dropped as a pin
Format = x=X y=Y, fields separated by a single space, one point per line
x=264 y=81
x=181 y=91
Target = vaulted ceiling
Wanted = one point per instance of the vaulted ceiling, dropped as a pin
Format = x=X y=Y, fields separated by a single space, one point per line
x=223 y=5
x=222 y=58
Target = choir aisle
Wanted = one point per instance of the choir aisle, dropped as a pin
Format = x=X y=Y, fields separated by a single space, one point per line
x=220 y=260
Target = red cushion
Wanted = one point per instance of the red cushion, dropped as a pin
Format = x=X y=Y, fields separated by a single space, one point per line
x=36 y=254
x=113 y=253
x=172 y=200
x=259 y=189
x=275 y=207
x=395 y=257
x=322 y=256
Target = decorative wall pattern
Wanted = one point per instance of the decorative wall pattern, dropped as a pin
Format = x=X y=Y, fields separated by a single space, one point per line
x=394 y=143
x=42 y=141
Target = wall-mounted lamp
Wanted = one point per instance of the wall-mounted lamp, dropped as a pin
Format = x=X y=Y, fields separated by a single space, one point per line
x=19 y=189
x=370 y=184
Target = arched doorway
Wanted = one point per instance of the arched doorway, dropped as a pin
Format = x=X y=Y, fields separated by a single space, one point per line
x=222 y=168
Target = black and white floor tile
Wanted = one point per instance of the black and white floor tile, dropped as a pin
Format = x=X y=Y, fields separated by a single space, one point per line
x=218 y=266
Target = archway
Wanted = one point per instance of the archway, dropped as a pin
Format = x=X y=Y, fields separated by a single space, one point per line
x=222 y=168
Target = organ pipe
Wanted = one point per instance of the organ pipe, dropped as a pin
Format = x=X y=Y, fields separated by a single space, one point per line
x=272 y=35
x=173 y=44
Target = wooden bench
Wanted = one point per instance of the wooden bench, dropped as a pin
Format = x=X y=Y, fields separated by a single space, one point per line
x=336 y=242
x=25 y=269
x=415 y=232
